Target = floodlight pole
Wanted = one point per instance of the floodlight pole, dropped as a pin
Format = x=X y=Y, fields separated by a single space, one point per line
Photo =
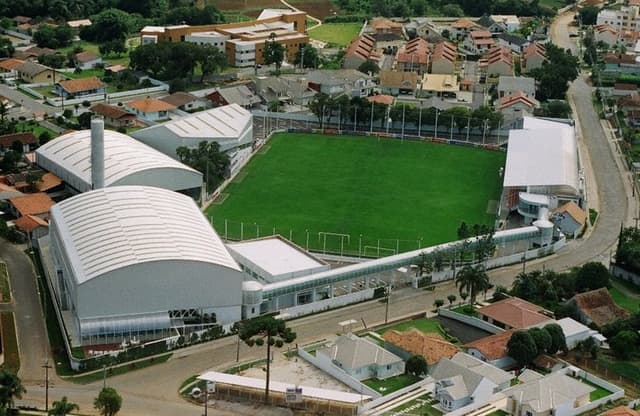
x=435 y=134
x=468 y=127
x=339 y=117
x=355 y=119
x=420 y=121
x=451 y=129
x=386 y=308
x=403 y=112
x=371 y=121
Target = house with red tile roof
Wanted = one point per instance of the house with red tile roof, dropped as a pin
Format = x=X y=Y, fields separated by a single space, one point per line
x=114 y=116
x=27 y=140
x=360 y=50
x=499 y=61
x=32 y=204
x=533 y=56
x=597 y=307
x=32 y=226
x=516 y=106
x=80 y=87
x=386 y=29
x=514 y=313
x=493 y=349
x=461 y=28
x=621 y=411
x=10 y=65
x=415 y=342
x=150 y=109
x=478 y=42
x=414 y=56
x=86 y=60
x=443 y=58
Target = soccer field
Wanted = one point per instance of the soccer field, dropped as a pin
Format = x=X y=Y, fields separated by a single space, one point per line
x=387 y=194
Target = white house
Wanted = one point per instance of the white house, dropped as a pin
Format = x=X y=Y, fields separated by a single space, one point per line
x=86 y=60
x=149 y=109
x=361 y=358
x=508 y=85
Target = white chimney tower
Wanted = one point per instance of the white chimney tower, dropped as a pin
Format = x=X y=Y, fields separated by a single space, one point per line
x=97 y=153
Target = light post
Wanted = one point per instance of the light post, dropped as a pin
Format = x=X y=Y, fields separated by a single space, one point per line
x=355 y=118
x=435 y=134
x=403 y=112
x=451 y=129
x=420 y=120
x=46 y=367
x=371 y=121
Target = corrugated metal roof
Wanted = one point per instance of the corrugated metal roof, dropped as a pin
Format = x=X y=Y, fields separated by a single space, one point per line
x=124 y=156
x=112 y=228
x=227 y=121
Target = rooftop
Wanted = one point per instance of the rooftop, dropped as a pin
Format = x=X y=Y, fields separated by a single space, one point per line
x=34 y=204
x=81 y=84
x=546 y=393
x=179 y=98
x=352 y=352
x=84 y=57
x=149 y=105
x=574 y=211
x=492 y=347
x=600 y=307
x=431 y=346
x=621 y=411
x=28 y=223
x=110 y=111
x=48 y=181
x=515 y=312
x=517 y=97
x=440 y=83
x=10 y=64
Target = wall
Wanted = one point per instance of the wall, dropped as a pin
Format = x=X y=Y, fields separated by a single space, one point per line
x=623 y=274
x=470 y=320
x=338 y=373
x=326 y=304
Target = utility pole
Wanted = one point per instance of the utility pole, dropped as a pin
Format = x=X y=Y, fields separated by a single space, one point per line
x=386 y=306
x=104 y=376
x=46 y=367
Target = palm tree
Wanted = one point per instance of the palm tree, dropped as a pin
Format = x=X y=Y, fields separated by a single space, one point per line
x=63 y=407
x=473 y=280
x=10 y=388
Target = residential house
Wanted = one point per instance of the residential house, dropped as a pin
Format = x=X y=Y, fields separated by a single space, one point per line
x=508 y=22
x=10 y=66
x=32 y=226
x=575 y=332
x=533 y=56
x=443 y=58
x=621 y=89
x=37 y=204
x=426 y=29
x=381 y=99
x=621 y=411
x=394 y=83
x=341 y=81
x=18 y=20
x=361 y=50
x=555 y=394
x=34 y=73
x=415 y=342
x=606 y=34
x=7 y=192
x=616 y=64
x=86 y=60
x=570 y=219
x=285 y=90
x=509 y=85
x=516 y=106
x=361 y=358
x=150 y=109
x=629 y=39
x=32 y=53
x=439 y=85
x=478 y=42
x=625 y=18
x=414 y=56
x=513 y=42
x=80 y=23
x=514 y=313
x=385 y=29
x=630 y=103
x=499 y=62
x=185 y=101
x=49 y=183
x=597 y=307
x=493 y=350
x=461 y=28
x=239 y=94
x=489 y=24
x=114 y=116
x=27 y=141
x=81 y=87
x=464 y=379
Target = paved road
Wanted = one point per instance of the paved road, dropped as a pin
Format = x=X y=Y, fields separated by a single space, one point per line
x=30 y=105
x=34 y=347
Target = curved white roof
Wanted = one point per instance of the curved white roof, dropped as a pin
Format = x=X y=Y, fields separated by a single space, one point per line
x=543 y=153
x=112 y=228
x=69 y=157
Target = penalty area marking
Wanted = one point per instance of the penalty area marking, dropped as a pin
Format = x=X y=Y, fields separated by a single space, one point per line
x=264 y=149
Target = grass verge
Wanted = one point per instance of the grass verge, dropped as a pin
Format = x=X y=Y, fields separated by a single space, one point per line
x=340 y=34
x=423 y=324
x=624 y=301
x=241 y=367
x=10 y=342
x=593 y=216
x=122 y=369
x=5 y=288
x=391 y=384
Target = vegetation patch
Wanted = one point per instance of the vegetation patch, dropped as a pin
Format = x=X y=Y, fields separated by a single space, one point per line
x=240 y=368
x=598 y=393
x=426 y=325
x=466 y=310
x=5 y=287
x=391 y=384
x=407 y=194
x=340 y=34
x=624 y=301
x=9 y=342
x=121 y=369
x=593 y=216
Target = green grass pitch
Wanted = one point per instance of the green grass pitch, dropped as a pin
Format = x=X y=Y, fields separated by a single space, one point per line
x=382 y=193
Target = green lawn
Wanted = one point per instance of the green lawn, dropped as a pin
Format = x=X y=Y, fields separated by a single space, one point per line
x=86 y=73
x=598 y=393
x=391 y=384
x=624 y=301
x=423 y=324
x=5 y=289
x=9 y=342
x=34 y=127
x=465 y=310
x=377 y=193
x=554 y=4
x=627 y=369
x=340 y=34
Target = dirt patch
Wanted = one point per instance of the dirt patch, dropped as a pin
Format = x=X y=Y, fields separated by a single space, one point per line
x=317 y=8
x=297 y=371
x=245 y=4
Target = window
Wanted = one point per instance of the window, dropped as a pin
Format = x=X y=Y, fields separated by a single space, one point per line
x=528 y=413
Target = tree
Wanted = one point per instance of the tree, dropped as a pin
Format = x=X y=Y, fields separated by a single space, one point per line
x=369 y=67
x=115 y=46
x=628 y=251
x=208 y=159
x=108 y=402
x=16 y=146
x=482 y=113
x=558 y=341
x=452 y=10
x=589 y=346
x=624 y=344
x=425 y=265
x=592 y=276
x=211 y=60
x=9 y=162
x=273 y=52
x=464 y=296
x=542 y=339
x=84 y=120
x=438 y=303
x=6 y=48
x=416 y=366
x=307 y=56
x=108 y=25
x=57 y=60
x=553 y=76
x=589 y=15
x=522 y=348
x=451 y=298
x=48 y=36
x=472 y=280
x=319 y=105
x=10 y=388
x=62 y=407
x=276 y=332
x=463 y=231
